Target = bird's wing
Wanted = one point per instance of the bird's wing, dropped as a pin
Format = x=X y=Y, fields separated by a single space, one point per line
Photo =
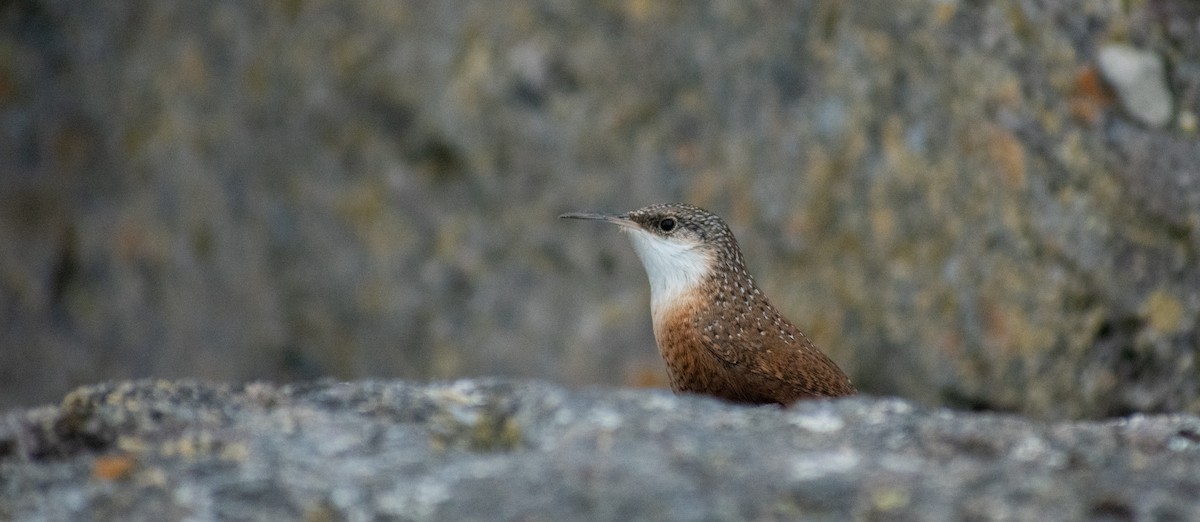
x=788 y=361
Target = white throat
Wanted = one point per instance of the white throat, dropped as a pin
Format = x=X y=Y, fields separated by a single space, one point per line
x=674 y=269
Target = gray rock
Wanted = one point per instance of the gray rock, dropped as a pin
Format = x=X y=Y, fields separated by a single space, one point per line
x=937 y=192
x=512 y=450
x=1139 y=78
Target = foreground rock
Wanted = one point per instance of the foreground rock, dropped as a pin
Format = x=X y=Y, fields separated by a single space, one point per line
x=502 y=450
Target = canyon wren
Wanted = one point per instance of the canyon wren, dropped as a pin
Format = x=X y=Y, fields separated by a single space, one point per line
x=715 y=329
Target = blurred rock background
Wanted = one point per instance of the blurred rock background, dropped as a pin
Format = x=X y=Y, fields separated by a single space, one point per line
x=984 y=205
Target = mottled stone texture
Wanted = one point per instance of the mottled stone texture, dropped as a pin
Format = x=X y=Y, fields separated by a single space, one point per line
x=496 y=450
x=945 y=195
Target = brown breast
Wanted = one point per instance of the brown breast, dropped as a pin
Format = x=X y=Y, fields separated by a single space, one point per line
x=744 y=355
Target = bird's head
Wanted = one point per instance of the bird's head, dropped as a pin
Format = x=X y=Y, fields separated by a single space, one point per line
x=680 y=245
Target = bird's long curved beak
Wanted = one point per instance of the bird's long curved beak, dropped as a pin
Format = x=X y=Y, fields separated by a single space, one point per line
x=615 y=219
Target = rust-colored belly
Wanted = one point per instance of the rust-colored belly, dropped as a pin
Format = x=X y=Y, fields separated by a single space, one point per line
x=711 y=354
x=692 y=368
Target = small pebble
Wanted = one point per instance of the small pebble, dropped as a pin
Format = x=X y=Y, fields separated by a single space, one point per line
x=1139 y=77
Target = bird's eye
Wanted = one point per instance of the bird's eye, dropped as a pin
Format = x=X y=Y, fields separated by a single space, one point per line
x=667 y=224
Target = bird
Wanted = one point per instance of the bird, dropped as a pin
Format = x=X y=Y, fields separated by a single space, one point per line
x=715 y=330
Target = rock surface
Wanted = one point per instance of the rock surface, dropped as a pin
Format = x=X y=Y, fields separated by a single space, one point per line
x=1139 y=78
x=512 y=450
x=945 y=195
